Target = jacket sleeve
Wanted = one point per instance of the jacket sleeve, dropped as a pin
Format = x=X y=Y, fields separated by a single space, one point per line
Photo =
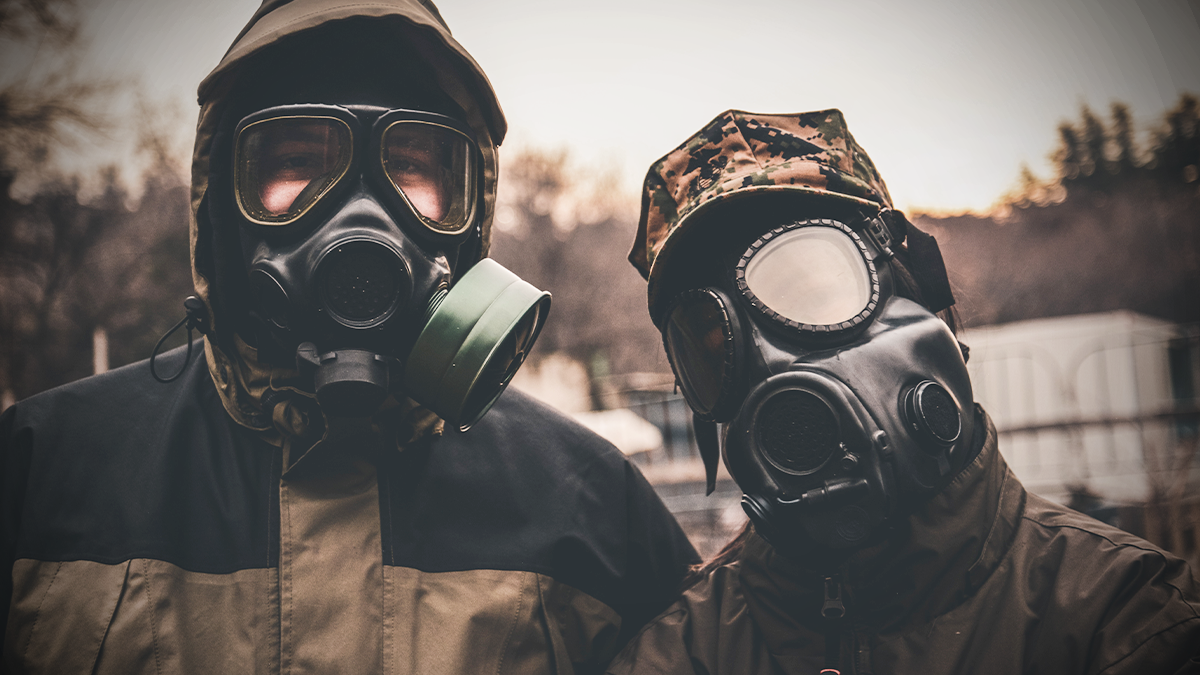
x=660 y=555
x=1152 y=622
x=15 y=451
x=659 y=648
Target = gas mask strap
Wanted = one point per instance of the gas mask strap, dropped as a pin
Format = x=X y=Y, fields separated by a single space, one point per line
x=710 y=451
x=927 y=267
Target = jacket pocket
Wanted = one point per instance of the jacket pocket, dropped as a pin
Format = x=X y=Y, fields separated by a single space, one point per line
x=60 y=614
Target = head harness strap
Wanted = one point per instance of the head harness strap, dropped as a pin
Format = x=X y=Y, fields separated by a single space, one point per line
x=927 y=266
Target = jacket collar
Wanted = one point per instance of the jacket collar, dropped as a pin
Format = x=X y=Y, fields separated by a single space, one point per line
x=273 y=402
x=939 y=558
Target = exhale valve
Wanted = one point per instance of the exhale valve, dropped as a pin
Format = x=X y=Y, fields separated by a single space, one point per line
x=348 y=382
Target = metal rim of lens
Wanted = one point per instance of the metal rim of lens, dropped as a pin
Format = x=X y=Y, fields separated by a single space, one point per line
x=769 y=456
x=237 y=180
x=468 y=182
x=389 y=258
x=814 y=329
x=720 y=410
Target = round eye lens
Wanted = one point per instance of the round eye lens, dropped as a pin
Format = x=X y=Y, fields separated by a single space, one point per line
x=810 y=275
x=698 y=338
x=431 y=167
x=284 y=165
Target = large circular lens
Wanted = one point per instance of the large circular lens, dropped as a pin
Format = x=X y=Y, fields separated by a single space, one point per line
x=810 y=275
x=797 y=431
x=361 y=283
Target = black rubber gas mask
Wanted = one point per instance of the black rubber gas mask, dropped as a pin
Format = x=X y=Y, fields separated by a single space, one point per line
x=841 y=406
x=352 y=220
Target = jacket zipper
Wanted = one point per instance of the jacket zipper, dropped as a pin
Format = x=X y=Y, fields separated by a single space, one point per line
x=832 y=612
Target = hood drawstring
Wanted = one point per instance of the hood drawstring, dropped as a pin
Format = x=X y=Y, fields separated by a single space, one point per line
x=196 y=319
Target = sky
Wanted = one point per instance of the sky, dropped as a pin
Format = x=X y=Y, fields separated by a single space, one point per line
x=949 y=97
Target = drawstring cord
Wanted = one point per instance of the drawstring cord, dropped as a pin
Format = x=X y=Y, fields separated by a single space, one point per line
x=196 y=319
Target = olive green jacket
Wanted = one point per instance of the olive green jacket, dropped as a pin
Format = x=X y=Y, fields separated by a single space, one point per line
x=191 y=528
x=987 y=579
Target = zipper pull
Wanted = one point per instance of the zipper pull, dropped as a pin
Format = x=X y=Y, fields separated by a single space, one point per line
x=832 y=611
x=833 y=608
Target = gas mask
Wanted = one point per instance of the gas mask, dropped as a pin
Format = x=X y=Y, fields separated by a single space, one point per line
x=352 y=219
x=839 y=406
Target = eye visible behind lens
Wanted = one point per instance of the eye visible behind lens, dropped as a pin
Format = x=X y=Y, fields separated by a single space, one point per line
x=431 y=167
x=284 y=165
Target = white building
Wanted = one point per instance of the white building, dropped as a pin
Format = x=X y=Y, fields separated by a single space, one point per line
x=1091 y=403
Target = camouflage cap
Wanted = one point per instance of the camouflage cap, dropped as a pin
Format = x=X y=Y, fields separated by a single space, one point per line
x=740 y=154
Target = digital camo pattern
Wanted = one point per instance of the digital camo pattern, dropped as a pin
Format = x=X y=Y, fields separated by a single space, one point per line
x=740 y=152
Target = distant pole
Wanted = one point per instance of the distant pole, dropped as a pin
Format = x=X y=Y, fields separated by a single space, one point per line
x=99 y=351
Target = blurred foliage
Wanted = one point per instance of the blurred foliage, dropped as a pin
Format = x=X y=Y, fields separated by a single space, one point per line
x=1115 y=228
x=1118 y=228
x=69 y=267
x=43 y=101
x=53 y=20
x=571 y=237
x=1092 y=157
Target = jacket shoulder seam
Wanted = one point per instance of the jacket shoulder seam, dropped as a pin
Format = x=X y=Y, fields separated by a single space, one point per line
x=1131 y=545
x=1148 y=640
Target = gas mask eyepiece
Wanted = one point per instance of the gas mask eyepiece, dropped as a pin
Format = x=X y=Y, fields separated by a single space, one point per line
x=290 y=159
x=815 y=280
x=353 y=216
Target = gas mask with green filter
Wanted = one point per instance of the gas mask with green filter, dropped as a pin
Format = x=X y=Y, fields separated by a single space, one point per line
x=352 y=220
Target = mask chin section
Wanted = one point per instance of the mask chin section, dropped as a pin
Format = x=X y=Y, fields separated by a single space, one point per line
x=815 y=533
x=361 y=323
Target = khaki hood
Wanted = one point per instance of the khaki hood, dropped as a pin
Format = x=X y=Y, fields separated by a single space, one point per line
x=241 y=380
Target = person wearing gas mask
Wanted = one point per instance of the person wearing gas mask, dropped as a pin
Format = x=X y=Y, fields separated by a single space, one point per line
x=335 y=483
x=800 y=313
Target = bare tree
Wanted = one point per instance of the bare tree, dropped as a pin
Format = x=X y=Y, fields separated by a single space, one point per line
x=566 y=233
x=66 y=267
